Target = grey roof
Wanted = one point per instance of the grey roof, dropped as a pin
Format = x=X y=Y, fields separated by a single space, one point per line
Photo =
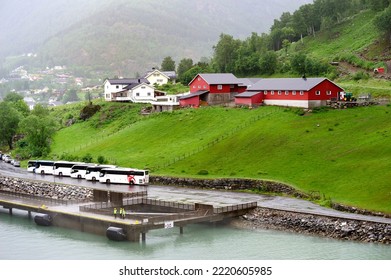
x=219 y=78
x=249 y=81
x=247 y=94
x=197 y=93
x=127 y=81
x=133 y=85
x=170 y=74
x=286 y=84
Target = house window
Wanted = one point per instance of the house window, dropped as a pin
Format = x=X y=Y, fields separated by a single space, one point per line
x=301 y=92
x=107 y=96
x=160 y=80
x=149 y=94
x=143 y=87
x=265 y=92
x=205 y=86
x=279 y=92
x=194 y=86
x=137 y=94
x=272 y=92
x=287 y=92
x=107 y=86
x=328 y=92
x=199 y=86
x=199 y=79
x=220 y=87
x=116 y=86
x=231 y=86
x=293 y=92
x=317 y=92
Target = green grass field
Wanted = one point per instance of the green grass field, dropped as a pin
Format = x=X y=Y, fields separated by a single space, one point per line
x=342 y=154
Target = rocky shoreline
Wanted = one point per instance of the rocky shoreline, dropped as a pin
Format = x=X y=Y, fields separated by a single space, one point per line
x=46 y=190
x=265 y=218
x=338 y=228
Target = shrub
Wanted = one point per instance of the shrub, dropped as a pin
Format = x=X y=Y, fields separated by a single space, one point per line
x=203 y=172
x=102 y=160
x=87 y=158
x=88 y=111
x=300 y=112
x=320 y=109
x=360 y=75
x=69 y=157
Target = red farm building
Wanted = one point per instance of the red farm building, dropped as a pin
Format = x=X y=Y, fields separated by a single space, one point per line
x=212 y=89
x=292 y=92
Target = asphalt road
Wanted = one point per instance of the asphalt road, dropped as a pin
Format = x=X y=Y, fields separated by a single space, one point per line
x=188 y=195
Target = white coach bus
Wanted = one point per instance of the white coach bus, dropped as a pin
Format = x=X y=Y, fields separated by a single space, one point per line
x=63 y=168
x=44 y=167
x=31 y=165
x=79 y=170
x=122 y=175
x=92 y=172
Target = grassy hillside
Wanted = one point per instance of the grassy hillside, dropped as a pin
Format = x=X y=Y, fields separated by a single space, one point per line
x=352 y=37
x=358 y=47
x=342 y=154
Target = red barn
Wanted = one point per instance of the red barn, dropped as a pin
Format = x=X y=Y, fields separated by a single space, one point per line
x=249 y=98
x=212 y=89
x=293 y=92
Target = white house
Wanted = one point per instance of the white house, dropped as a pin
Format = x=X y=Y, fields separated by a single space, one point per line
x=160 y=77
x=116 y=86
x=137 y=93
x=30 y=102
x=142 y=93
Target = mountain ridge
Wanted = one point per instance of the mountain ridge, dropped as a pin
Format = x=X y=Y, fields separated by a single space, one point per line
x=122 y=37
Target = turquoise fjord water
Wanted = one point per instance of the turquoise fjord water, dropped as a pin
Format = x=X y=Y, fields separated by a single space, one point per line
x=22 y=239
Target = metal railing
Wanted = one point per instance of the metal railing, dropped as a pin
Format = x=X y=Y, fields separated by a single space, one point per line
x=136 y=201
x=231 y=208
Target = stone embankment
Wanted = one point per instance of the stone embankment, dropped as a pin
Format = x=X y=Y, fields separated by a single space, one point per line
x=261 y=186
x=362 y=231
x=230 y=184
x=45 y=189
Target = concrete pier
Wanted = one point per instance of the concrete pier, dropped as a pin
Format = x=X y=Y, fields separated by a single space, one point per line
x=142 y=214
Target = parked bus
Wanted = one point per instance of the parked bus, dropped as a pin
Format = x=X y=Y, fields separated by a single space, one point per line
x=44 y=167
x=79 y=170
x=128 y=176
x=92 y=172
x=63 y=168
x=31 y=165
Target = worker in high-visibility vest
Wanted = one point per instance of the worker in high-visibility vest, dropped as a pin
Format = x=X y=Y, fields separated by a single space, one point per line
x=123 y=213
x=115 y=212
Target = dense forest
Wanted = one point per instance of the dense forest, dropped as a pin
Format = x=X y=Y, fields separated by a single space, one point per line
x=267 y=54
